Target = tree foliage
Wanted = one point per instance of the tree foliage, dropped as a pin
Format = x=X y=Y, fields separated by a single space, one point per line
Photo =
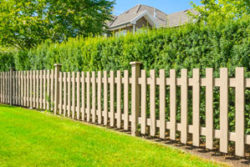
x=217 y=11
x=26 y=23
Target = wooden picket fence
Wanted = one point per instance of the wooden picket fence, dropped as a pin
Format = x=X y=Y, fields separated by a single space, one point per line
x=110 y=99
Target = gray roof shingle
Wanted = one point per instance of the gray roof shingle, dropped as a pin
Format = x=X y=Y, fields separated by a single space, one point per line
x=180 y=18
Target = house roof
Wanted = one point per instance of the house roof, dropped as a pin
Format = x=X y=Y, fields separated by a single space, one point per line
x=128 y=16
x=153 y=15
x=180 y=18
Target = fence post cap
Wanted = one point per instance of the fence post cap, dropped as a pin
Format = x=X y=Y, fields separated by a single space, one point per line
x=135 y=63
x=56 y=65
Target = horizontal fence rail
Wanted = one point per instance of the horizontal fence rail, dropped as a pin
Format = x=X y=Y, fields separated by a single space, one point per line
x=139 y=103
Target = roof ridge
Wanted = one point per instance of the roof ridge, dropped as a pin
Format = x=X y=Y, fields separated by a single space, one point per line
x=155 y=9
x=139 y=7
x=181 y=11
x=127 y=10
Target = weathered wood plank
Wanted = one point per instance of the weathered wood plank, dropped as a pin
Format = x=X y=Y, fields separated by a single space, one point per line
x=78 y=94
x=65 y=93
x=99 y=97
x=93 y=113
x=184 y=106
x=239 y=112
x=88 y=96
x=118 y=99
x=172 y=104
x=152 y=103
x=209 y=109
x=162 y=104
x=105 y=85
x=224 y=88
x=126 y=98
x=69 y=94
x=143 y=101
x=196 y=107
x=83 y=96
x=73 y=95
x=112 y=111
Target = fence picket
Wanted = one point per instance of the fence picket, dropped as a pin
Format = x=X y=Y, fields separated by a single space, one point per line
x=22 y=88
x=78 y=96
x=64 y=94
x=126 y=98
x=1 y=85
x=31 y=89
x=224 y=87
x=34 y=89
x=162 y=104
x=4 y=90
x=112 y=113
x=48 y=90
x=152 y=103
x=8 y=91
x=52 y=84
x=196 y=107
x=60 y=93
x=15 y=73
x=37 y=88
x=19 y=81
x=239 y=112
x=88 y=96
x=1 y=90
x=105 y=101
x=143 y=102
x=209 y=109
x=83 y=96
x=44 y=89
x=7 y=88
x=25 y=88
x=73 y=95
x=172 y=104
x=118 y=99
x=99 y=100
x=93 y=80
x=184 y=106
x=69 y=94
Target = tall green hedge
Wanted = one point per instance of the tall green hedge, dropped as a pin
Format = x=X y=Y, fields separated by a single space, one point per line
x=190 y=46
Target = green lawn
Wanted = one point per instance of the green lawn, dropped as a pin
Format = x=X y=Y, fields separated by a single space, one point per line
x=30 y=138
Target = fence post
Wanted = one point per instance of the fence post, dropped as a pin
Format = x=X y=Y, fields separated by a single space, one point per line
x=11 y=86
x=56 y=95
x=135 y=96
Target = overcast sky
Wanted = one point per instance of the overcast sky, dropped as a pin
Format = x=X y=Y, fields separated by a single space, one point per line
x=167 y=6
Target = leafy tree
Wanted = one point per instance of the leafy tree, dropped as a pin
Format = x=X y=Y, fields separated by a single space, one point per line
x=26 y=23
x=217 y=11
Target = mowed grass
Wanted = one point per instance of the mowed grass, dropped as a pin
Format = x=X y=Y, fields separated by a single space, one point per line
x=31 y=138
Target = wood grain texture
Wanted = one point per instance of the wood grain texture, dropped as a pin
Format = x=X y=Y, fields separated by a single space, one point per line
x=152 y=103
x=143 y=102
x=239 y=112
x=172 y=104
x=224 y=88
